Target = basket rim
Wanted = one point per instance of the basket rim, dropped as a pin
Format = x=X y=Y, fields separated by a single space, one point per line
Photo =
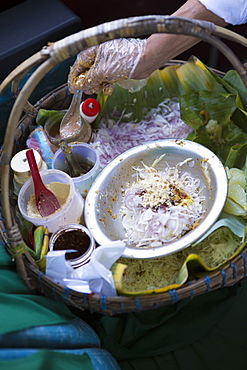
x=52 y=55
x=228 y=274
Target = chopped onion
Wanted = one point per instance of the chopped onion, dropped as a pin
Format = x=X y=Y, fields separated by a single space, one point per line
x=112 y=139
x=161 y=206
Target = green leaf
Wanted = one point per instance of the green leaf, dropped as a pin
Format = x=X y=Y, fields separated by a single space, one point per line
x=236 y=225
x=195 y=76
x=234 y=80
x=230 y=83
x=162 y=84
x=43 y=115
x=210 y=114
x=196 y=109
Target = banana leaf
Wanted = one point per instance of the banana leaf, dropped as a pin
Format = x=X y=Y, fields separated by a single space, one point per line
x=195 y=76
x=122 y=104
x=43 y=115
x=198 y=109
x=194 y=266
x=233 y=79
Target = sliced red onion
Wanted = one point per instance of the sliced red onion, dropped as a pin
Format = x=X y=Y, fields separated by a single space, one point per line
x=112 y=139
x=148 y=224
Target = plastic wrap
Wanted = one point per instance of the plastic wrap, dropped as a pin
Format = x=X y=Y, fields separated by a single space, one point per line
x=96 y=69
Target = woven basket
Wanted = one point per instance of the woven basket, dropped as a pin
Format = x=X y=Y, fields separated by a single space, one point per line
x=18 y=130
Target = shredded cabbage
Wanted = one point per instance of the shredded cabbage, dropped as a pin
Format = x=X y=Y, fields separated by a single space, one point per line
x=155 y=273
x=161 y=206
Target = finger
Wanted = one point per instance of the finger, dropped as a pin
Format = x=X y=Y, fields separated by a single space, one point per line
x=84 y=61
x=107 y=88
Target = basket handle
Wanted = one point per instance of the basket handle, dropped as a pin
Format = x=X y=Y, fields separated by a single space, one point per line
x=132 y=27
x=59 y=51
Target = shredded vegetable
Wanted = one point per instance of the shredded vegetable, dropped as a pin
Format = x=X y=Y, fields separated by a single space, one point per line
x=113 y=138
x=156 y=273
x=161 y=206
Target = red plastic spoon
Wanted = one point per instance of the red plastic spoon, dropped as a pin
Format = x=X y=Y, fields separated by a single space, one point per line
x=46 y=201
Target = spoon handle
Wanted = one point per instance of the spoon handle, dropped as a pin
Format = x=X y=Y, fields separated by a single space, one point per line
x=34 y=169
x=74 y=168
x=72 y=116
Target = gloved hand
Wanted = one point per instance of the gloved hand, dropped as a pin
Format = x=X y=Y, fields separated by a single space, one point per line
x=98 y=67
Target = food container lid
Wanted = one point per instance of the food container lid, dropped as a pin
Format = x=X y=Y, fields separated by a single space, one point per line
x=19 y=163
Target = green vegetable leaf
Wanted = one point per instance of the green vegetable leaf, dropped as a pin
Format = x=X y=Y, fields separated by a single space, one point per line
x=196 y=109
x=210 y=114
x=43 y=115
x=233 y=79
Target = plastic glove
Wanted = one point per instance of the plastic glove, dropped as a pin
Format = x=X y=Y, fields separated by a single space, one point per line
x=97 y=68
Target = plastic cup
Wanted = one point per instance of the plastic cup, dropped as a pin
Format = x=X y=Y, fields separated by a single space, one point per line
x=89 y=247
x=70 y=212
x=82 y=152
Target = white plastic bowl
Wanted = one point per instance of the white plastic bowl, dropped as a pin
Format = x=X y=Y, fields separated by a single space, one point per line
x=69 y=213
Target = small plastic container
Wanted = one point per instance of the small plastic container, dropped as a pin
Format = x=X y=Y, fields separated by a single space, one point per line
x=52 y=126
x=20 y=167
x=82 y=152
x=71 y=210
x=73 y=237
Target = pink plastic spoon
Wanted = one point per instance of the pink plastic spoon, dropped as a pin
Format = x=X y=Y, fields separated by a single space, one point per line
x=46 y=201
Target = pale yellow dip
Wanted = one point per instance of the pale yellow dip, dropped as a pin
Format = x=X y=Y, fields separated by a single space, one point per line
x=61 y=191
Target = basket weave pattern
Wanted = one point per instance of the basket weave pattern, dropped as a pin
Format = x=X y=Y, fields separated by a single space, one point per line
x=18 y=130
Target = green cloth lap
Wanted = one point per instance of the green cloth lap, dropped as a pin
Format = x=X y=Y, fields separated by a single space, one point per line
x=21 y=307
x=206 y=333
x=203 y=333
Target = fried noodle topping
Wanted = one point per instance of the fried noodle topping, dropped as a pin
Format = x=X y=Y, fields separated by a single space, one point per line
x=161 y=206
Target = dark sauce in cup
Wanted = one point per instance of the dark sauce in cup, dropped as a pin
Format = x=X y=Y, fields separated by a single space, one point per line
x=72 y=239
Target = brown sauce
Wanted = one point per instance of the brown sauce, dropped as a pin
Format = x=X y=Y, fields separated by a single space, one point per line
x=72 y=239
x=85 y=165
x=54 y=131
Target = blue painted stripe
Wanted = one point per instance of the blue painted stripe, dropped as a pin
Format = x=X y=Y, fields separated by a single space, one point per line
x=234 y=271
x=54 y=294
x=103 y=305
x=84 y=301
x=22 y=128
x=223 y=275
x=40 y=281
x=138 y=306
x=244 y=264
x=207 y=281
x=156 y=305
x=174 y=295
x=54 y=97
x=122 y=307
x=192 y=292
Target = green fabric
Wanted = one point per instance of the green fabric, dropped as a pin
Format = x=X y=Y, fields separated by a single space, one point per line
x=223 y=347
x=49 y=360
x=21 y=307
x=165 y=329
x=203 y=333
x=206 y=333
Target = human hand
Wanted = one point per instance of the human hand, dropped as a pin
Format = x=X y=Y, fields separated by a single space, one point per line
x=97 y=68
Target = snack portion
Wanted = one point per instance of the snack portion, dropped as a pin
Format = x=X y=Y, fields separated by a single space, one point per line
x=161 y=206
